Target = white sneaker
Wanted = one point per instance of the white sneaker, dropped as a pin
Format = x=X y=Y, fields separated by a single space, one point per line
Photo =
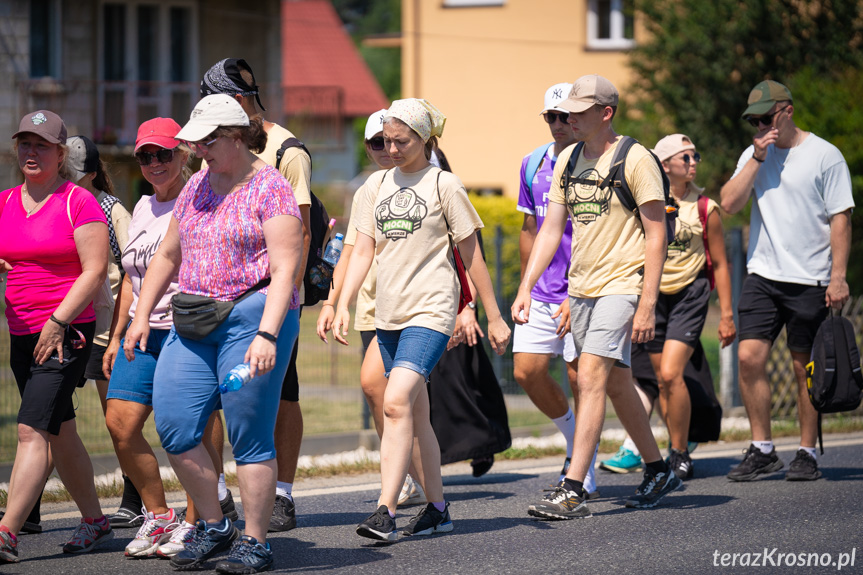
x=151 y=534
x=180 y=534
x=412 y=493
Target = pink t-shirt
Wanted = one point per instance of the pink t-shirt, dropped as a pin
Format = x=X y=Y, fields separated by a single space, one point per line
x=42 y=252
x=222 y=237
x=148 y=227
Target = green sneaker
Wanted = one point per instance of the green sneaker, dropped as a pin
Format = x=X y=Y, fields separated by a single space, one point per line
x=623 y=461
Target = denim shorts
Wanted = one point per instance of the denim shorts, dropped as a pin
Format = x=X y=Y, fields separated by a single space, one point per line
x=415 y=348
x=133 y=380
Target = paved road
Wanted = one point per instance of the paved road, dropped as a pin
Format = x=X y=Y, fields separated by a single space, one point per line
x=688 y=533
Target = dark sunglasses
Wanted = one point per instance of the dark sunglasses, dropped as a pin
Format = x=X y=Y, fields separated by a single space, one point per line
x=377 y=143
x=694 y=158
x=766 y=119
x=551 y=117
x=163 y=156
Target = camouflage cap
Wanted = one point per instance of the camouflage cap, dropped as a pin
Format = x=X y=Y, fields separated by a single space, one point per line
x=764 y=96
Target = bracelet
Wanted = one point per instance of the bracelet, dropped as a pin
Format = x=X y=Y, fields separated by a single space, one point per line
x=62 y=324
x=471 y=305
x=759 y=160
x=267 y=336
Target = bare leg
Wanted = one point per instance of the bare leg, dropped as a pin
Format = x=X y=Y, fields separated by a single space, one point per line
x=754 y=387
x=192 y=514
x=75 y=469
x=805 y=411
x=531 y=373
x=214 y=440
x=195 y=470
x=593 y=373
x=426 y=450
x=29 y=473
x=258 y=490
x=673 y=393
x=630 y=411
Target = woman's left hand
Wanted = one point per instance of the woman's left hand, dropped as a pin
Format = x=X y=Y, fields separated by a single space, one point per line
x=498 y=335
x=261 y=356
x=50 y=341
x=467 y=328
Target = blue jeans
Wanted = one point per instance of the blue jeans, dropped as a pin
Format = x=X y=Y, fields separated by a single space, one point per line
x=415 y=348
x=133 y=380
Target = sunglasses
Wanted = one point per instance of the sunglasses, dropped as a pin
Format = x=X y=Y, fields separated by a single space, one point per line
x=694 y=158
x=200 y=147
x=766 y=119
x=552 y=117
x=377 y=143
x=163 y=156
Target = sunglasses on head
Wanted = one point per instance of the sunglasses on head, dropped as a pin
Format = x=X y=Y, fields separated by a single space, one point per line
x=766 y=119
x=694 y=158
x=551 y=117
x=377 y=143
x=162 y=156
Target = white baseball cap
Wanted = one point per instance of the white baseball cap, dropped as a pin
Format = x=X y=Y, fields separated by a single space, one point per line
x=555 y=95
x=210 y=113
x=375 y=124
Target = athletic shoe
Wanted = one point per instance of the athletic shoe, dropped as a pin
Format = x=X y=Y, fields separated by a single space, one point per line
x=653 y=488
x=125 y=519
x=204 y=544
x=229 y=510
x=151 y=535
x=755 y=463
x=412 y=492
x=590 y=496
x=247 y=556
x=8 y=548
x=379 y=525
x=31 y=527
x=623 y=461
x=803 y=468
x=681 y=464
x=180 y=533
x=429 y=520
x=560 y=504
x=88 y=535
x=284 y=516
x=563 y=471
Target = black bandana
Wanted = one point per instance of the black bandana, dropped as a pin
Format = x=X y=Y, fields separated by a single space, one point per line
x=225 y=78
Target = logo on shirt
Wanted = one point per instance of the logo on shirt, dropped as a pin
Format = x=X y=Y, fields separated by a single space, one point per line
x=585 y=200
x=400 y=214
x=682 y=238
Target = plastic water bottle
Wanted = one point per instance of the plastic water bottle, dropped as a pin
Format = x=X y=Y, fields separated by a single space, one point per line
x=236 y=378
x=334 y=250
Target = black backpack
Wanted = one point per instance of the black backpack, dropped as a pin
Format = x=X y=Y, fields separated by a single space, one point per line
x=616 y=178
x=833 y=376
x=319 y=222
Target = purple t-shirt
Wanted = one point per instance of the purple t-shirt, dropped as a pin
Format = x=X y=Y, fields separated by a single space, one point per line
x=552 y=286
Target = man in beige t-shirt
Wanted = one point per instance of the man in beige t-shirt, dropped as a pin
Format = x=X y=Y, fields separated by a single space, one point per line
x=614 y=276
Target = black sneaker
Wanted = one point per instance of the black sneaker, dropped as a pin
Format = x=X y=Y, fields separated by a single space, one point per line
x=284 y=515
x=8 y=548
x=681 y=464
x=653 y=488
x=379 y=525
x=429 y=520
x=31 y=527
x=247 y=556
x=560 y=504
x=204 y=544
x=126 y=519
x=229 y=510
x=755 y=463
x=803 y=468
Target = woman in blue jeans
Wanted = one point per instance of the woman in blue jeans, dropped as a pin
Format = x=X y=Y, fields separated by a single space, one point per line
x=403 y=222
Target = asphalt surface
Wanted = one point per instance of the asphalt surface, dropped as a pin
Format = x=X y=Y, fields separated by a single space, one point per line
x=773 y=525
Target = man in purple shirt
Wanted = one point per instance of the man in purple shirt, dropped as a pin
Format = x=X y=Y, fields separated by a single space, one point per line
x=547 y=334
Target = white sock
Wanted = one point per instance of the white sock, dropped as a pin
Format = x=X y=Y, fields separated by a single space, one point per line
x=284 y=489
x=630 y=445
x=223 y=489
x=566 y=424
x=590 y=478
x=810 y=451
x=764 y=446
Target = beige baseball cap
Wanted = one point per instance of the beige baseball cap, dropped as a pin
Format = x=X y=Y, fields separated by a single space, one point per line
x=587 y=91
x=670 y=146
x=763 y=96
x=210 y=113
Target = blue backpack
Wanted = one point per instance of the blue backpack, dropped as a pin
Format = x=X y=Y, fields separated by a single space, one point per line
x=533 y=163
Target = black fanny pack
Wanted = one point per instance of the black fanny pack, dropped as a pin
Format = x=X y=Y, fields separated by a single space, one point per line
x=196 y=316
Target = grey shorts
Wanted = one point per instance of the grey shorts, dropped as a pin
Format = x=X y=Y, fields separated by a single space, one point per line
x=603 y=326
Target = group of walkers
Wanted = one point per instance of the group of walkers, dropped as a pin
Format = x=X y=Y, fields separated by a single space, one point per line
x=206 y=274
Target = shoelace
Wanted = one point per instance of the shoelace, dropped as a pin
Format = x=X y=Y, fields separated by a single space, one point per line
x=180 y=533
x=150 y=525
x=243 y=548
x=559 y=494
x=648 y=484
x=85 y=534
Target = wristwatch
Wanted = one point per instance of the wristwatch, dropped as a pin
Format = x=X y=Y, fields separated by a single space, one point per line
x=471 y=304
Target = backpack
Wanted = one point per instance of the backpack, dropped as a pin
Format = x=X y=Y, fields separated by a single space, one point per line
x=708 y=265
x=319 y=222
x=533 y=163
x=616 y=178
x=833 y=376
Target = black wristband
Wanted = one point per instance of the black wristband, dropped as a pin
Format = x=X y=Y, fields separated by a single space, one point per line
x=759 y=160
x=267 y=336
x=62 y=324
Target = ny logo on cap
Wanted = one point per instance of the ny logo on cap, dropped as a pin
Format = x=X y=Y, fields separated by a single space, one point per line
x=558 y=93
x=38 y=119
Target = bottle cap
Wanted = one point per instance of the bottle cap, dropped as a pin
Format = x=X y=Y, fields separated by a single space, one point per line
x=340 y=236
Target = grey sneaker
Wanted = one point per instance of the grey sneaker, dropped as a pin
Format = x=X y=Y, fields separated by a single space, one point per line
x=8 y=548
x=88 y=535
x=379 y=525
x=803 y=468
x=653 y=488
x=284 y=516
x=560 y=503
x=755 y=463
x=429 y=520
x=247 y=556
x=204 y=543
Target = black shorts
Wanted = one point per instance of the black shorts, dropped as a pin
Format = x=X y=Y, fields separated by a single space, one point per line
x=767 y=305
x=94 y=364
x=681 y=316
x=291 y=383
x=46 y=390
x=367 y=337
x=642 y=371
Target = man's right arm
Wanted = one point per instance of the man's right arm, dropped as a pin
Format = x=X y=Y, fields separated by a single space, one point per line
x=735 y=193
x=526 y=239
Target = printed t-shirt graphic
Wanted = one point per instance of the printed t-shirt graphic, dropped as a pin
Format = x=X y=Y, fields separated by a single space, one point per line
x=686 y=255
x=400 y=214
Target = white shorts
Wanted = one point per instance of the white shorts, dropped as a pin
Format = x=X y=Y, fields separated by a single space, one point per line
x=539 y=335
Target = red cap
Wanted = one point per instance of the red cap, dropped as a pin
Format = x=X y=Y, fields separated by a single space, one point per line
x=159 y=132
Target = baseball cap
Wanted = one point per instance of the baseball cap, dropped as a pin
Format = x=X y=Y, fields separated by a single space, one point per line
x=83 y=156
x=587 y=91
x=224 y=77
x=375 y=124
x=160 y=132
x=555 y=95
x=672 y=145
x=43 y=123
x=763 y=96
x=211 y=113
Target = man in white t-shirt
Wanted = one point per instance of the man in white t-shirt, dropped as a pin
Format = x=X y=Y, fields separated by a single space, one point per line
x=799 y=241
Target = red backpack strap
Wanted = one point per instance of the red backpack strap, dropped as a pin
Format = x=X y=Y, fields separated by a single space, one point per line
x=702 y=215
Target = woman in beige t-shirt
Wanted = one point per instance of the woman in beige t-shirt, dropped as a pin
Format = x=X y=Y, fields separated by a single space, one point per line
x=403 y=223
